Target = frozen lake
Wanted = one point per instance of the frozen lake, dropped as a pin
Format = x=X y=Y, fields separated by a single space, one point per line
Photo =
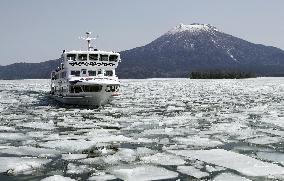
x=158 y=129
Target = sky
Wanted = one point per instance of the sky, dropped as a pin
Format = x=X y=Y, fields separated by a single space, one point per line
x=38 y=30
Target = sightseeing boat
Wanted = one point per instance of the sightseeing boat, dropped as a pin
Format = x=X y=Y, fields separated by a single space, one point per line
x=86 y=77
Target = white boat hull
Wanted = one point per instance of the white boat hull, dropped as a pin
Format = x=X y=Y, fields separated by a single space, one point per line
x=85 y=99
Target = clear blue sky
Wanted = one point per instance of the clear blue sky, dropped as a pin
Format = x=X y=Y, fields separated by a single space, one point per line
x=38 y=30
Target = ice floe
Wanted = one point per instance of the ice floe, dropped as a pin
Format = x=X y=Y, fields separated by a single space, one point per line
x=13 y=136
x=91 y=161
x=165 y=131
x=73 y=156
x=38 y=134
x=163 y=159
x=7 y=128
x=241 y=163
x=271 y=156
x=123 y=155
x=30 y=151
x=143 y=172
x=57 y=178
x=190 y=170
x=18 y=165
x=77 y=145
x=214 y=169
x=77 y=169
x=143 y=151
x=264 y=140
x=38 y=125
x=68 y=145
x=229 y=177
x=198 y=141
x=102 y=177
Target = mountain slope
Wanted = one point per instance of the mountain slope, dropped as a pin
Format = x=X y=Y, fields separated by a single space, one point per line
x=185 y=48
x=192 y=47
x=40 y=70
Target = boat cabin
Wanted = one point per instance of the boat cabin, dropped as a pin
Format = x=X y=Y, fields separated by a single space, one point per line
x=94 y=56
x=86 y=72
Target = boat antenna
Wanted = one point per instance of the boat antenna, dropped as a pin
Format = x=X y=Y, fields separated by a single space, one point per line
x=88 y=39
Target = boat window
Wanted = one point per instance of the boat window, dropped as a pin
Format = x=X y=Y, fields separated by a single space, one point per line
x=75 y=89
x=113 y=58
x=76 y=73
x=108 y=73
x=93 y=56
x=84 y=71
x=71 y=57
x=104 y=58
x=92 y=73
x=71 y=89
x=99 y=72
x=82 y=57
x=92 y=88
x=111 y=88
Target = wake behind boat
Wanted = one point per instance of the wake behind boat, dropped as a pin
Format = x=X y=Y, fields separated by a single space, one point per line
x=86 y=77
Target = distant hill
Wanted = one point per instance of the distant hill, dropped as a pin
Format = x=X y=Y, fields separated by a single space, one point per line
x=199 y=47
x=178 y=52
x=28 y=70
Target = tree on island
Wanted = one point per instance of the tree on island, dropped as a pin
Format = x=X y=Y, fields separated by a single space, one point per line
x=221 y=74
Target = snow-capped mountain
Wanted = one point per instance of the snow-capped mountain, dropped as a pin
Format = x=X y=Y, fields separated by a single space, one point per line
x=192 y=28
x=176 y=53
x=185 y=48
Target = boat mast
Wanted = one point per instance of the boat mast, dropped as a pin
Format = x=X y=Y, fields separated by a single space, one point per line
x=88 y=39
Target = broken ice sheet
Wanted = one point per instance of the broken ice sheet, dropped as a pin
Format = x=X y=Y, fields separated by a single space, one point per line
x=142 y=173
x=190 y=170
x=163 y=159
x=165 y=131
x=264 y=140
x=6 y=128
x=57 y=178
x=18 y=165
x=236 y=128
x=143 y=151
x=211 y=113
x=13 y=136
x=68 y=145
x=30 y=151
x=123 y=155
x=73 y=156
x=214 y=169
x=241 y=163
x=77 y=169
x=38 y=125
x=229 y=177
x=102 y=177
x=76 y=143
x=197 y=141
x=271 y=156
x=273 y=119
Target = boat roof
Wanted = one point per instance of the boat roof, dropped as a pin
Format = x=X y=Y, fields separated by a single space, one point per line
x=91 y=52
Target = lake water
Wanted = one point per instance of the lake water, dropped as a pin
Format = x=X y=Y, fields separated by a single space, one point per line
x=158 y=129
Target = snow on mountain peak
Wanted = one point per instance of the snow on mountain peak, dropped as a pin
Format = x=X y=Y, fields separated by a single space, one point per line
x=195 y=27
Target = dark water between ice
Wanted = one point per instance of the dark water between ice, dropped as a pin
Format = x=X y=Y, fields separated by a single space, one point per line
x=158 y=129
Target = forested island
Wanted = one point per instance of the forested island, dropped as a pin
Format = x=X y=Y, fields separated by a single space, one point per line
x=221 y=75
